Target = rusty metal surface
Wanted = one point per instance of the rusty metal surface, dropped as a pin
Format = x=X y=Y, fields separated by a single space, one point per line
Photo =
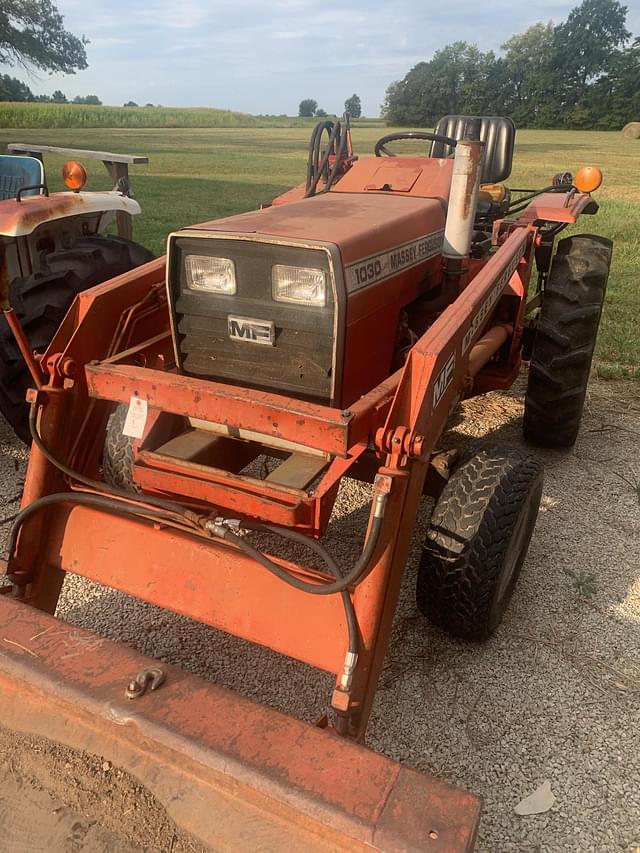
x=345 y=220
x=81 y=153
x=207 y=581
x=271 y=415
x=431 y=176
x=556 y=207
x=19 y=218
x=23 y=345
x=235 y=494
x=435 y=370
x=236 y=775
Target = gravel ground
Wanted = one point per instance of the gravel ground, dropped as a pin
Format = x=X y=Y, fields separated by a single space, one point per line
x=554 y=695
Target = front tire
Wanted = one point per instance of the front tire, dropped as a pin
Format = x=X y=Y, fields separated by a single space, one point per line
x=565 y=339
x=41 y=301
x=477 y=541
x=117 y=454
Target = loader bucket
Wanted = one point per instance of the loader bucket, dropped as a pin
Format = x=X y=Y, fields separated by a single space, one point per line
x=234 y=774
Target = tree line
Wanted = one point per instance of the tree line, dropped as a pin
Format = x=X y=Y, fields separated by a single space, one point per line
x=583 y=73
x=12 y=89
x=309 y=107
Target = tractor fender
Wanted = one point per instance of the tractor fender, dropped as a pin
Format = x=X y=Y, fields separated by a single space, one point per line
x=21 y=218
x=559 y=207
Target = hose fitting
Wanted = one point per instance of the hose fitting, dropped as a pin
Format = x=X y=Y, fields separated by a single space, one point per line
x=350 y=662
x=220 y=526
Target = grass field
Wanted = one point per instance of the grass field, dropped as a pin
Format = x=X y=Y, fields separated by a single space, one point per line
x=196 y=174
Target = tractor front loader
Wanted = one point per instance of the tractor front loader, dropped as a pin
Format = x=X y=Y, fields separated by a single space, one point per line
x=192 y=422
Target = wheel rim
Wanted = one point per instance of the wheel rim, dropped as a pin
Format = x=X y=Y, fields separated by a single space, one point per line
x=516 y=549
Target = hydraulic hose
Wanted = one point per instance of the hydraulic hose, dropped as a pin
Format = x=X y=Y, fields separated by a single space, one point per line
x=334 y=569
x=340 y=151
x=96 y=485
x=318 y=166
x=314 y=168
x=222 y=527
x=355 y=575
x=84 y=499
x=519 y=204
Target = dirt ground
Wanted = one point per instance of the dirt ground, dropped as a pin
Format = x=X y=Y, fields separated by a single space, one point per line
x=55 y=799
x=554 y=695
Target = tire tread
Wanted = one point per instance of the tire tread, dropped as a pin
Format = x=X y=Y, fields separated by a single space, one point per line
x=565 y=339
x=467 y=538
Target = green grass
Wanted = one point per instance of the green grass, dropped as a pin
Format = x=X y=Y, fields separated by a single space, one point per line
x=195 y=174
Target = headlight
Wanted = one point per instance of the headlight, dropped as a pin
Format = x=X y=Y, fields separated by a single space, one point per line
x=215 y=274
x=303 y=285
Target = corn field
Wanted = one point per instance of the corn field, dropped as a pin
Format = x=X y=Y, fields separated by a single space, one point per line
x=33 y=115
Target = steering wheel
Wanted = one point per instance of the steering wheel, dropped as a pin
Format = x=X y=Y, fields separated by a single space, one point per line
x=380 y=149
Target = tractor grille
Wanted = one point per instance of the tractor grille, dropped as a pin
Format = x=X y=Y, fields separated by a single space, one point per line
x=300 y=362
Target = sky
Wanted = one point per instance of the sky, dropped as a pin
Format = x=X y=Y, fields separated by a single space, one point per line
x=265 y=57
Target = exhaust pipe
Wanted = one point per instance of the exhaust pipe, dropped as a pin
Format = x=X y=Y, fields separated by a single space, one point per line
x=463 y=201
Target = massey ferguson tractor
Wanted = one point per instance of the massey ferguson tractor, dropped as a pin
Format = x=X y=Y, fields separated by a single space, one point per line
x=53 y=246
x=331 y=333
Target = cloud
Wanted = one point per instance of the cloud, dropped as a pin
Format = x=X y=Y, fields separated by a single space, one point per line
x=109 y=41
x=264 y=56
x=288 y=35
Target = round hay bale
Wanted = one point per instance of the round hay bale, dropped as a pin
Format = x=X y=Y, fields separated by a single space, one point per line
x=631 y=130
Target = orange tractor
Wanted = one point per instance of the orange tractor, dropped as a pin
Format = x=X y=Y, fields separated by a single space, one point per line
x=331 y=333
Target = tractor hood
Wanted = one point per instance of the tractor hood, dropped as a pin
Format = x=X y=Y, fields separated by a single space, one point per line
x=20 y=218
x=359 y=224
x=374 y=252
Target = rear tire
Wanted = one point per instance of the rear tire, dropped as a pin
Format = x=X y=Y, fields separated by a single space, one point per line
x=41 y=301
x=477 y=541
x=565 y=338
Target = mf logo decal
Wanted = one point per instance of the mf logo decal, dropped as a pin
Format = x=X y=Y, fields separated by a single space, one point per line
x=254 y=331
x=375 y=268
x=444 y=379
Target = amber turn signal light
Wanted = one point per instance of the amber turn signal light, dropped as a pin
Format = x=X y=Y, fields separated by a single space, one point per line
x=588 y=179
x=74 y=175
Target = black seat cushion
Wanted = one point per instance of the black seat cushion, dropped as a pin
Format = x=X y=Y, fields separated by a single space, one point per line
x=498 y=134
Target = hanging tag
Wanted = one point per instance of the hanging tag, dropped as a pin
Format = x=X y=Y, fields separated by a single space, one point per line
x=136 y=418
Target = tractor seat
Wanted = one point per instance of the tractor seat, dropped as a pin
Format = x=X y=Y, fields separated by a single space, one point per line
x=496 y=132
x=17 y=172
